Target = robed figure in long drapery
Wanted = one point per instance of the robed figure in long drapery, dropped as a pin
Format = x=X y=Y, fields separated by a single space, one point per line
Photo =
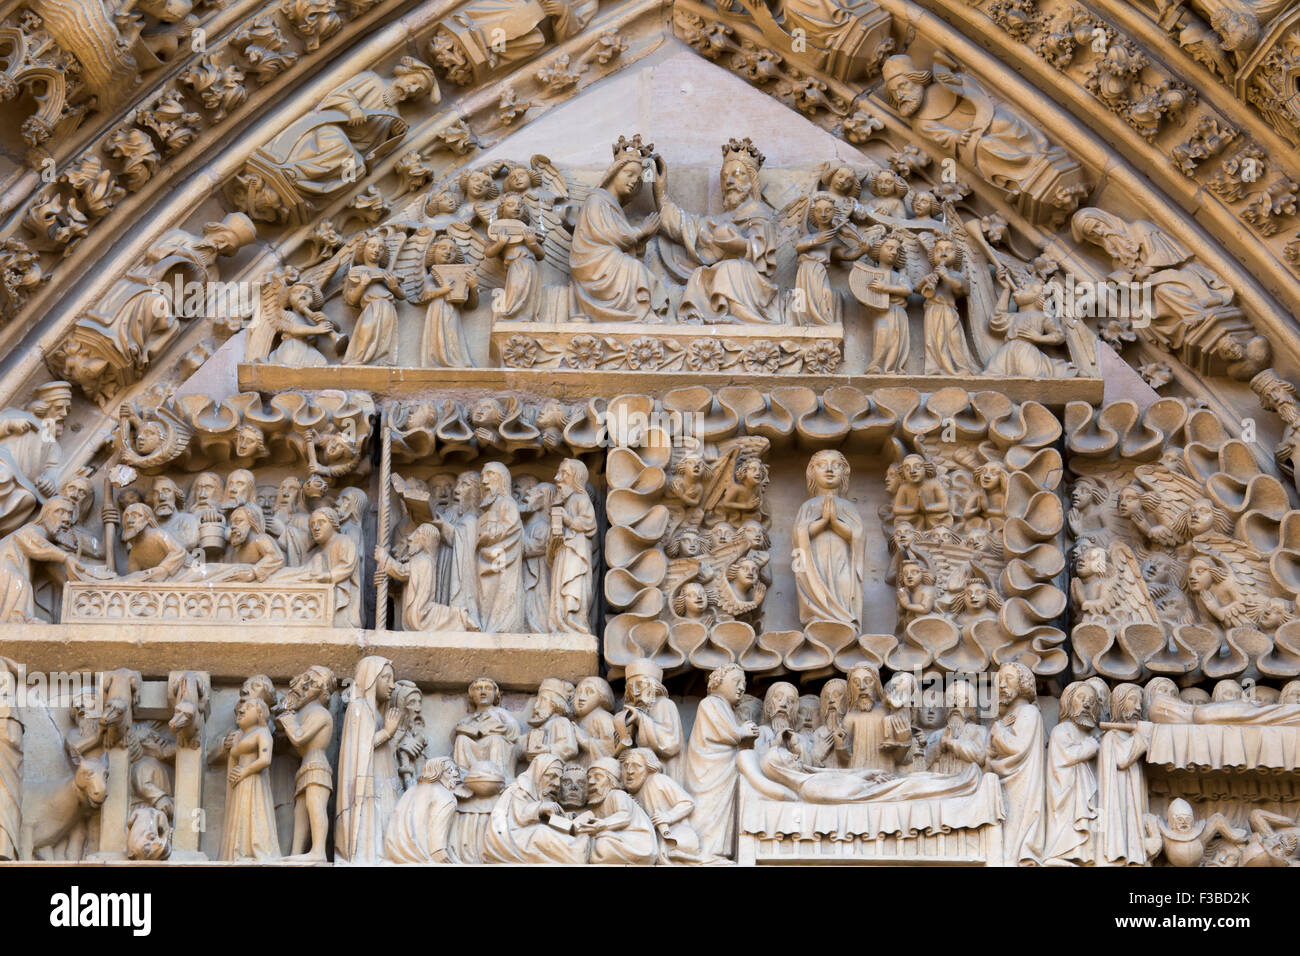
x=500 y=555
x=711 y=754
x=829 y=542
x=419 y=574
x=367 y=780
x=537 y=565
x=1121 y=784
x=11 y=761
x=610 y=281
x=1017 y=755
x=572 y=577
x=1071 y=780
x=459 y=526
x=528 y=826
x=250 y=829
x=728 y=259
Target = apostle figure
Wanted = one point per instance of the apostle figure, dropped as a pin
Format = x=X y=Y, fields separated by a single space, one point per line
x=500 y=555
x=249 y=831
x=711 y=755
x=553 y=730
x=1121 y=786
x=421 y=825
x=536 y=505
x=611 y=283
x=961 y=741
x=829 y=738
x=867 y=725
x=459 y=526
x=1016 y=754
x=336 y=561
x=649 y=717
x=368 y=784
x=288 y=522
x=668 y=804
x=727 y=260
x=528 y=826
x=255 y=552
x=621 y=832
x=593 y=705
x=419 y=574
x=572 y=587
x=151 y=553
x=489 y=733
x=780 y=706
x=1071 y=779
x=829 y=542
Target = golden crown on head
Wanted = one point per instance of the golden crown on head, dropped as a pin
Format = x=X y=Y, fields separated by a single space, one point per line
x=745 y=151
x=626 y=146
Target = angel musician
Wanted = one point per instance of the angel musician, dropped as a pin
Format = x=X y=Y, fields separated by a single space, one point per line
x=371 y=287
x=1024 y=331
x=884 y=290
x=291 y=312
x=449 y=286
x=814 y=301
x=946 y=351
x=519 y=247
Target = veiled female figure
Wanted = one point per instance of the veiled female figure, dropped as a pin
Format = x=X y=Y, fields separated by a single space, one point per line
x=537 y=566
x=829 y=539
x=449 y=286
x=610 y=282
x=367 y=782
x=249 y=832
x=370 y=287
x=571 y=568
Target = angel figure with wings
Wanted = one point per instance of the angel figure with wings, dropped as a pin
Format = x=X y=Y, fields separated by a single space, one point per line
x=1108 y=587
x=449 y=285
x=338 y=455
x=1025 y=332
x=916 y=591
x=887 y=292
x=290 y=310
x=973 y=598
x=738 y=592
x=512 y=239
x=371 y=287
x=742 y=494
x=1216 y=589
x=146 y=442
x=1138 y=505
x=946 y=352
x=814 y=300
x=611 y=283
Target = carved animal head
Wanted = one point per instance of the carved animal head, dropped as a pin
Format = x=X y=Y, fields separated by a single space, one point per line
x=91 y=780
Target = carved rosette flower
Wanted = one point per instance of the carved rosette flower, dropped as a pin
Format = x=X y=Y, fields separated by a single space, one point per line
x=822 y=357
x=705 y=355
x=519 y=352
x=584 y=352
x=645 y=354
x=761 y=357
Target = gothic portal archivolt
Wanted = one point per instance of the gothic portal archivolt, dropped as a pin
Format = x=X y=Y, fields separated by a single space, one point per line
x=627 y=431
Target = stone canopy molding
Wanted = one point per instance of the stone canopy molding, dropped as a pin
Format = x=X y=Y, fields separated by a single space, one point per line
x=656 y=432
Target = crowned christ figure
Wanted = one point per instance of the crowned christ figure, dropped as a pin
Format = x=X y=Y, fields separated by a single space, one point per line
x=726 y=260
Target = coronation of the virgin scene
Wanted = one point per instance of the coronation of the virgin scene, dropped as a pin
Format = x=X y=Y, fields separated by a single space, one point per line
x=650 y=432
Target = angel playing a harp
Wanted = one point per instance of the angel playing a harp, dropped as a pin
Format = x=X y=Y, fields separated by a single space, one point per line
x=449 y=286
x=610 y=282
